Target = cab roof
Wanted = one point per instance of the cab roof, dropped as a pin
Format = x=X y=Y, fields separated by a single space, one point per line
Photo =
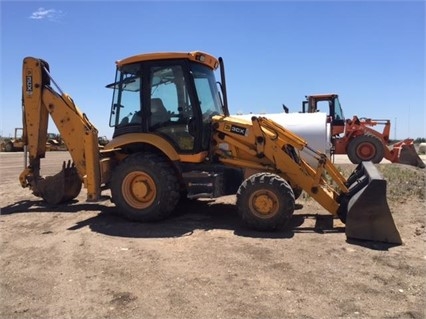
x=198 y=56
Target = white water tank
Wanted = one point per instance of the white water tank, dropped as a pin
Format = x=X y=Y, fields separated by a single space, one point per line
x=312 y=127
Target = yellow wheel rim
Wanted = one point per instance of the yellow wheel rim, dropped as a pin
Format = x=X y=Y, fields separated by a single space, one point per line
x=139 y=190
x=264 y=204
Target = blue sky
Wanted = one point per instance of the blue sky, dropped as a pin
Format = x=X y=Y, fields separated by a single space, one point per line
x=371 y=53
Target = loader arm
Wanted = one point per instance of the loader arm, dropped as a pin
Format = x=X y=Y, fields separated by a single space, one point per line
x=39 y=101
x=266 y=146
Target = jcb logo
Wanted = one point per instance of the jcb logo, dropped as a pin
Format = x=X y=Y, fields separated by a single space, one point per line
x=29 y=83
x=235 y=129
x=238 y=130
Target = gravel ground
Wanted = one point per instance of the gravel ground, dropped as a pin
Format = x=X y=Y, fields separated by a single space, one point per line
x=85 y=261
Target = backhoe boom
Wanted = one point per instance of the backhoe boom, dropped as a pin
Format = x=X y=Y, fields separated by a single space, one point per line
x=80 y=136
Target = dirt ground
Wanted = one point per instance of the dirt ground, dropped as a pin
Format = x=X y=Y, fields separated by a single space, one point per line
x=85 y=261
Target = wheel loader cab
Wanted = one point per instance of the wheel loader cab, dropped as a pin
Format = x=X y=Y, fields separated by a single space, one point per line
x=332 y=107
x=170 y=95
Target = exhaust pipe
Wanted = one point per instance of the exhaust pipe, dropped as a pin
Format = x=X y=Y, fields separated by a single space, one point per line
x=364 y=208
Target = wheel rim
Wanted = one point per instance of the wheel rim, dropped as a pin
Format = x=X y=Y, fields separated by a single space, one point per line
x=139 y=190
x=366 y=151
x=264 y=204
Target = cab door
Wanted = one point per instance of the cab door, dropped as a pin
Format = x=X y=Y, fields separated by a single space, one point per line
x=172 y=112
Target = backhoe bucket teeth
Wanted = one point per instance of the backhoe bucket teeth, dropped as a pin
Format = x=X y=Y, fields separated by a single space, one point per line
x=368 y=214
x=409 y=156
x=62 y=187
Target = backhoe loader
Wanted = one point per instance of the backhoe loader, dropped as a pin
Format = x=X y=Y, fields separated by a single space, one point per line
x=14 y=144
x=173 y=138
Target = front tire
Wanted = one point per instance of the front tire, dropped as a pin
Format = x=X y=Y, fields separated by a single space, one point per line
x=144 y=187
x=265 y=202
x=365 y=148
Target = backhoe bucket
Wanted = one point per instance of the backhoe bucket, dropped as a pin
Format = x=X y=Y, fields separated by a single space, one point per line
x=62 y=187
x=368 y=214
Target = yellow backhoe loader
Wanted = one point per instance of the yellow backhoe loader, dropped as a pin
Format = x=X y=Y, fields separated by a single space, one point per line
x=173 y=137
x=15 y=144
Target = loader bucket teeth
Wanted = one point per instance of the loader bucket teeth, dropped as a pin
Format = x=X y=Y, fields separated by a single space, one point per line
x=409 y=156
x=62 y=187
x=368 y=214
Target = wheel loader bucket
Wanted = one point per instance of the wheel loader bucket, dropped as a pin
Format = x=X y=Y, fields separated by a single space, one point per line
x=409 y=156
x=368 y=214
x=62 y=187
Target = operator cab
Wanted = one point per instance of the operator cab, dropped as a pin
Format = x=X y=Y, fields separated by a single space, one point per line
x=330 y=104
x=173 y=95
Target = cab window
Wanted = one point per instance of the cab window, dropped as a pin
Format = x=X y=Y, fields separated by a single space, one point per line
x=170 y=106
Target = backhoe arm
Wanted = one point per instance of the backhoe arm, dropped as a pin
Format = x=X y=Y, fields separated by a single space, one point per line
x=80 y=136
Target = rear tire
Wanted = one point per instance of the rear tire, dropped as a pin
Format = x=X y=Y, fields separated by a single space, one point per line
x=365 y=148
x=144 y=187
x=265 y=202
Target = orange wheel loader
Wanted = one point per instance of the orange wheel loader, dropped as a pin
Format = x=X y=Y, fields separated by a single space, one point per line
x=358 y=139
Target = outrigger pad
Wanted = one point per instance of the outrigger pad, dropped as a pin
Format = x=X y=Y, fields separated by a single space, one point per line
x=369 y=216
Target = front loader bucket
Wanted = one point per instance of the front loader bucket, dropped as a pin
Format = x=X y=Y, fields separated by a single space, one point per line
x=62 y=187
x=409 y=156
x=368 y=214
